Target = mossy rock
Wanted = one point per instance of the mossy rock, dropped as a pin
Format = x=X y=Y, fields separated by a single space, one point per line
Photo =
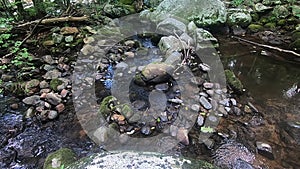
x=54 y=83
x=280 y=11
x=281 y=22
x=233 y=81
x=59 y=158
x=270 y=26
x=255 y=27
x=107 y=105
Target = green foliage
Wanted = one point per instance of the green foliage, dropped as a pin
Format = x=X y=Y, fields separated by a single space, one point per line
x=237 y=2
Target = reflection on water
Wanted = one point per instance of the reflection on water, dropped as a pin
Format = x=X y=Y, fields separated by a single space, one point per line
x=264 y=76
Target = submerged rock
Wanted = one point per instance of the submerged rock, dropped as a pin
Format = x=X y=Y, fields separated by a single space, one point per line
x=59 y=158
x=233 y=81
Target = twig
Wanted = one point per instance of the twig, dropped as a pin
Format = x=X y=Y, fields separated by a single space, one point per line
x=267 y=46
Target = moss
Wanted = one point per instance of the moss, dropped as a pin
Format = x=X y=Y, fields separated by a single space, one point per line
x=54 y=83
x=126 y=2
x=281 y=22
x=233 y=81
x=59 y=158
x=107 y=105
x=270 y=25
x=255 y=27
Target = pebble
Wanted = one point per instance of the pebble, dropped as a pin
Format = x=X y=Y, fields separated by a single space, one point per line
x=237 y=111
x=52 y=114
x=60 y=107
x=146 y=130
x=227 y=109
x=208 y=85
x=225 y=102
x=129 y=54
x=214 y=104
x=210 y=92
x=178 y=101
x=47 y=105
x=53 y=98
x=203 y=94
x=162 y=87
x=44 y=84
x=64 y=93
x=212 y=118
x=204 y=102
x=233 y=101
x=219 y=91
x=195 y=107
x=200 y=120
x=32 y=100
x=29 y=113
x=14 y=106
x=48 y=59
x=265 y=150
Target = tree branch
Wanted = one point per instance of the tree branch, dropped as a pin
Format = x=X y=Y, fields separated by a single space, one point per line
x=267 y=46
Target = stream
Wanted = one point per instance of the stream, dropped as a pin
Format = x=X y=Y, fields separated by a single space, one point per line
x=25 y=143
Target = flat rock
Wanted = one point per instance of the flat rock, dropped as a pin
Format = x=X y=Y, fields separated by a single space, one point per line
x=53 y=98
x=205 y=103
x=32 y=100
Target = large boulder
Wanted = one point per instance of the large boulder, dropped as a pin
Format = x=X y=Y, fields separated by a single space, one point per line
x=138 y=160
x=203 y=13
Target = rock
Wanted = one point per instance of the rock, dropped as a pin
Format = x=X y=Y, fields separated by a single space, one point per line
x=54 y=83
x=146 y=130
x=68 y=30
x=32 y=100
x=69 y=38
x=32 y=84
x=140 y=160
x=238 y=17
x=87 y=49
x=204 y=102
x=88 y=40
x=59 y=158
x=296 y=11
x=129 y=54
x=29 y=113
x=53 y=98
x=122 y=65
x=162 y=87
x=200 y=120
x=293 y=129
x=208 y=85
x=48 y=43
x=155 y=73
x=229 y=154
x=52 y=74
x=57 y=38
x=171 y=24
x=265 y=150
x=64 y=93
x=44 y=84
x=182 y=136
x=237 y=111
x=255 y=28
x=48 y=59
x=14 y=106
x=280 y=12
x=204 y=39
x=52 y=114
x=204 y=67
x=60 y=107
x=195 y=108
x=233 y=81
x=173 y=58
x=203 y=13
x=259 y=7
x=238 y=30
x=171 y=44
x=118 y=10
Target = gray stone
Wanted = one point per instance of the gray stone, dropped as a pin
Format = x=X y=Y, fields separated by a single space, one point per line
x=259 y=7
x=32 y=100
x=195 y=107
x=204 y=102
x=208 y=85
x=200 y=120
x=87 y=49
x=280 y=11
x=204 y=67
x=53 y=98
x=57 y=38
x=205 y=39
x=265 y=150
x=52 y=114
x=52 y=74
x=171 y=24
x=204 y=13
x=173 y=58
x=171 y=44
x=48 y=59
x=69 y=38
x=44 y=84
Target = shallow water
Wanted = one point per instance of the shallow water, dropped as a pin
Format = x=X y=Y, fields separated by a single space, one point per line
x=266 y=79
